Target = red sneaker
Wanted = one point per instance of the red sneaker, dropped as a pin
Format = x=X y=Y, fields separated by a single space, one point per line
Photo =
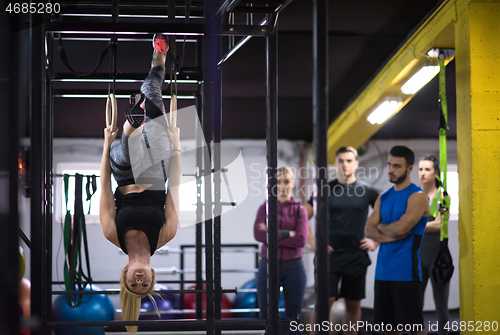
x=160 y=43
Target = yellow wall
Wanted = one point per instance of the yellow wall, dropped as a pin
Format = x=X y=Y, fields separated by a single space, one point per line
x=477 y=46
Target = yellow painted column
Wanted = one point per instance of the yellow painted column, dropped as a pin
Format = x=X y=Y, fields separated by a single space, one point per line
x=477 y=52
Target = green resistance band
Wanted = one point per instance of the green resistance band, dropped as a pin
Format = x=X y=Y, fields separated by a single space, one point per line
x=434 y=208
x=444 y=201
x=71 y=275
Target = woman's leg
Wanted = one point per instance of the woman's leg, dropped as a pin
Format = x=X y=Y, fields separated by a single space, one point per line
x=151 y=87
x=261 y=285
x=154 y=147
x=441 y=294
x=294 y=286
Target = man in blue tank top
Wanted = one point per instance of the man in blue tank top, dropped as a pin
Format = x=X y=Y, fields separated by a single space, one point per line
x=398 y=223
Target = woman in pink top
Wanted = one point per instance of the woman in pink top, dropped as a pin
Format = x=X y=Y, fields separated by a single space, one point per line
x=292 y=230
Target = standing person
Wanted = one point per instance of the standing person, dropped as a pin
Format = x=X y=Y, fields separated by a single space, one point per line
x=292 y=229
x=398 y=223
x=348 y=203
x=428 y=171
x=141 y=217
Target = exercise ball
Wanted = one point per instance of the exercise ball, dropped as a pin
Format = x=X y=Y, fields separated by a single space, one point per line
x=22 y=263
x=164 y=302
x=24 y=303
x=190 y=303
x=247 y=300
x=336 y=313
x=95 y=307
x=25 y=296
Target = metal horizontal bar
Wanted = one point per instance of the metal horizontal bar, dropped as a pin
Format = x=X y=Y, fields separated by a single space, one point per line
x=189 y=311
x=176 y=251
x=124 y=28
x=213 y=170
x=223 y=246
x=123 y=96
x=185 y=73
x=172 y=271
x=122 y=38
x=133 y=16
x=111 y=282
x=243 y=30
x=260 y=10
x=85 y=80
x=116 y=291
x=225 y=324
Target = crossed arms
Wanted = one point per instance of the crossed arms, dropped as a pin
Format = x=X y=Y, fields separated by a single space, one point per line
x=417 y=207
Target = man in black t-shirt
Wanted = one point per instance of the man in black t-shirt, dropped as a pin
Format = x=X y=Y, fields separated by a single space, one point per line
x=348 y=202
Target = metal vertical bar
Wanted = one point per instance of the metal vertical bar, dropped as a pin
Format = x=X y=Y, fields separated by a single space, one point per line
x=181 y=277
x=272 y=200
x=41 y=268
x=199 y=207
x=320 y=121
x=9 y=137
x=209 y=62
x=49 y=159
x=217 y=128
x=256 y=251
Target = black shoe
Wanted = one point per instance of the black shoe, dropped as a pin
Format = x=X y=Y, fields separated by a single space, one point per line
x=134 y=114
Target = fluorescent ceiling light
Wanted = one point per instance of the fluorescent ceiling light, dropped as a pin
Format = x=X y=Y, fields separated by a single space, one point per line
x=385 y=110
x=419 y=79
x=80 y=80
x=134 y=16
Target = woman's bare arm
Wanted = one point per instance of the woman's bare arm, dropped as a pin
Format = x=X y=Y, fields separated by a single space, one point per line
x=107 y=209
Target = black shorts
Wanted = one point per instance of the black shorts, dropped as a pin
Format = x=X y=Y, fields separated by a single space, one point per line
x=348 y=268
x=398 y=302
x=351 y=287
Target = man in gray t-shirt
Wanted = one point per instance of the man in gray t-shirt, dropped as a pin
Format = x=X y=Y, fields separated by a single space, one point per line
x=348 y=202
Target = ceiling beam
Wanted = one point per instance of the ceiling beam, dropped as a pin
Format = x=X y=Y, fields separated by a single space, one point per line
x=352 y=128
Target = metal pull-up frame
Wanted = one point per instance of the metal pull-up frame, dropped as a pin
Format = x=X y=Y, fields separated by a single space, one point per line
x=209 y=98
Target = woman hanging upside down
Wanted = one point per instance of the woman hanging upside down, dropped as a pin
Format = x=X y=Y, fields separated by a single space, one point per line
x=140 y=218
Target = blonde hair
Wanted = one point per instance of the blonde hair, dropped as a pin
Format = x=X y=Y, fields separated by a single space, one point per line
x=131 y=302
x=285 y=171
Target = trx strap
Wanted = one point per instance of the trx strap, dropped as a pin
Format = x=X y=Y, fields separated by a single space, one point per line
x=443 y=265
x=174 y=67
x=91 y=181
x=111 y=105
x=80 y=218
x=73 y=272
x=111 y=45
x=64 y=58
x=433 y=211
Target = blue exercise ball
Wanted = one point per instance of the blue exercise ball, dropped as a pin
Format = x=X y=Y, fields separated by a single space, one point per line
x=94 y=307
x=164 y=302
x=246 y=300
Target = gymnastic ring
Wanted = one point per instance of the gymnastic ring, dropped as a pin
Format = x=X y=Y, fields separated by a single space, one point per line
x=111 y=112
